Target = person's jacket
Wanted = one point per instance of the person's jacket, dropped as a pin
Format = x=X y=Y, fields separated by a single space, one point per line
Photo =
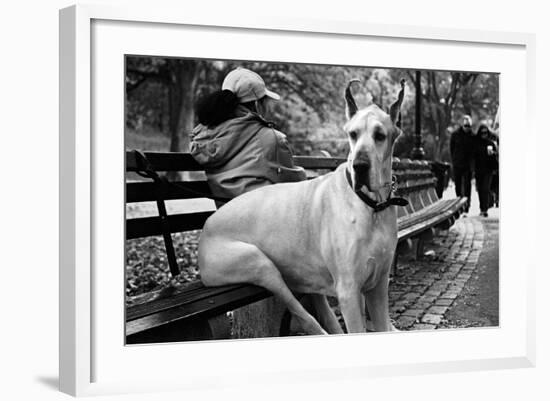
x=462 y=148
x=483 y=161
x=242 y=154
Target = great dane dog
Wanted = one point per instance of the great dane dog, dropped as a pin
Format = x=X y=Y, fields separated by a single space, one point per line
x=334 y=235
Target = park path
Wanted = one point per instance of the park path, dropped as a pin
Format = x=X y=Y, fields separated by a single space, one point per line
x=478 y=303
x=455 y=284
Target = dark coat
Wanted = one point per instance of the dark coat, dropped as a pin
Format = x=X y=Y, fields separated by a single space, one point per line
x=462 y=148
x=485 y=163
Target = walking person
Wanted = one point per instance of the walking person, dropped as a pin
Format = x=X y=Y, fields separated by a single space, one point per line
x=239 y=149
x=494 y=187
x=486 y=164
x=461 y=149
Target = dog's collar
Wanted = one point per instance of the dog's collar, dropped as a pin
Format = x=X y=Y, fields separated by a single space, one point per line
x=378 y=206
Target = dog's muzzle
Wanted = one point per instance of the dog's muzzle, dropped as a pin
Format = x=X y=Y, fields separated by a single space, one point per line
x=361 y=167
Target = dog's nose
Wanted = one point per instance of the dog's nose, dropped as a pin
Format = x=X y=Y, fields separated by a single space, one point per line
x=361 y=166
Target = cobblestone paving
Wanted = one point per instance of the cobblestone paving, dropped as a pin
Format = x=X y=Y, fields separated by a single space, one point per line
x=422 y=291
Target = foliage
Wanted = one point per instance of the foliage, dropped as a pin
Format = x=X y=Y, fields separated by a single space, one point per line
x=147 y=265
x=161 y=94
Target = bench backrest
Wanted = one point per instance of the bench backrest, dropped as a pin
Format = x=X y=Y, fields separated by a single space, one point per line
x=146 y=191
x=416 y=182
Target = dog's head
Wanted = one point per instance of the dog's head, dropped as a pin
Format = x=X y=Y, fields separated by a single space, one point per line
x=372 y=133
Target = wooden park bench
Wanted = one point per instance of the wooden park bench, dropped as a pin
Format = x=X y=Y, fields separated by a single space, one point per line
x=198 y=312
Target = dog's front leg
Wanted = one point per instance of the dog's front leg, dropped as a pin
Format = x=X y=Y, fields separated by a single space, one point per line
x=325 y=314
x=377 y=304
x=351 y=304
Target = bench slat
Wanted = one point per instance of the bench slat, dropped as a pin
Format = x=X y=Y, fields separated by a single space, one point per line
x=423 y=221
x=205 y=307
x=406 y=188
x=310 y=162
x=416 y=217
x=149 y=226
x=166 y=161
x=191 y=293
x=405 y=175
x=145 y=191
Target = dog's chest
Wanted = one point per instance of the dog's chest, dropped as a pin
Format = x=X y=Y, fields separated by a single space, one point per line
x=374 y=238
x=359 y=237
x=380 y=228
x=378 y=241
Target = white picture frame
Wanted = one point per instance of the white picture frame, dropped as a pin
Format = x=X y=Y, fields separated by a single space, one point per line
x=88 y=365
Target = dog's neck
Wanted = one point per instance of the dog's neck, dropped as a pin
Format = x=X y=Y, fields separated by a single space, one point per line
x=384 y=191
x=378 y=200
x=379 y=195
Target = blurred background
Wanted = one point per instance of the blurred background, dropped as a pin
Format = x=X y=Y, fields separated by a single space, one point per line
x=161 y=93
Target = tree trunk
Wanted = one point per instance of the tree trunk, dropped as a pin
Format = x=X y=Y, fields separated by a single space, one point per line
x=437 y=148
x=467 y=99
x=182 y=99
x=181 y=92
x=443 y=132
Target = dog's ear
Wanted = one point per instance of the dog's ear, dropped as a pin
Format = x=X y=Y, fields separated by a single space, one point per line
x=351 y=106
x=395 y=113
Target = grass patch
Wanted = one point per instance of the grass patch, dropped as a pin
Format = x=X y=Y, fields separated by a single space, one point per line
x=146 y=139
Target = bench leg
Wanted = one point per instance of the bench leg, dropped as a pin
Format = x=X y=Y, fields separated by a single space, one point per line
x=260 y=319
x=271 y=318
x=423 y=239
x=408 y=249
x=445 y=225
x=219 y=327
x=284 y=329
x=393 y=270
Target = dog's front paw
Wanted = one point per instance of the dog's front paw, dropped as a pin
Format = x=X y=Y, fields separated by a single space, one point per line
x=370 y=327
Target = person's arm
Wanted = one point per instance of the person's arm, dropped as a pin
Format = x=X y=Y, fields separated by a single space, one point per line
x=495 y=147
x=280 y=157
x=288 y=170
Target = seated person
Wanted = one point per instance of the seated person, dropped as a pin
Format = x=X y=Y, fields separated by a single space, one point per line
x=237 y=147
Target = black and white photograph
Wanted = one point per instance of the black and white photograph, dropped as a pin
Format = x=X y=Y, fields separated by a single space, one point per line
x=268 y=199
x=298 y=200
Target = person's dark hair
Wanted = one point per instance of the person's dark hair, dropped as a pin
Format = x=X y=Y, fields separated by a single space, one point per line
x=483 y=127
x=251 y=106
x=217 y=107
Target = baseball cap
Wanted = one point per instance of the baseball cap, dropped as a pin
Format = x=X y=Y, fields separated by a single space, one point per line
x=247 y=85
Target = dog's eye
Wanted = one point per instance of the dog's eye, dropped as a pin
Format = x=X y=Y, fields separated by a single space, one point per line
x=353 y=135
x=379 y=135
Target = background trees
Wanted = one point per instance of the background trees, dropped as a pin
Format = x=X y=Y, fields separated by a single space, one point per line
x=161 y=93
